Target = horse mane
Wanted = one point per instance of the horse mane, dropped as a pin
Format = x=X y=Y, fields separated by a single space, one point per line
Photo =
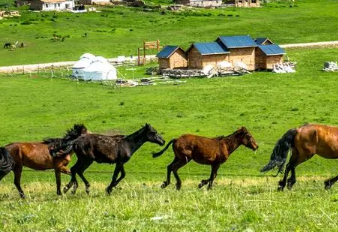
x=227 y=136
x=55 y=144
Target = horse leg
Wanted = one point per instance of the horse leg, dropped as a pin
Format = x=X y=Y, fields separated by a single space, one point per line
x=65 y=170
x=73 y=181
x=175 y=168
x=214 y=169
x=169 y=169
x=17 y=177
x=58 y=181
x=118 y=168
x=328 y=183
x=81 y=170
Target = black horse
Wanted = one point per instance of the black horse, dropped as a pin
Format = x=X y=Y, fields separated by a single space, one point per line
x=108 y=149
x=7 y=45
x=6 y=162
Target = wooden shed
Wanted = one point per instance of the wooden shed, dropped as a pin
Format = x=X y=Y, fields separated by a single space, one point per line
x=268 y=55
x=202 y=54
x=172 y=57
x=241 y=48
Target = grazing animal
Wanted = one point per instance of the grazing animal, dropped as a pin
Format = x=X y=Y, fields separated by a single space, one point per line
x=7 y=45
x=37 y=156
x=6 y=162
x=304 y=142
x=209 y=151
x=108 y=149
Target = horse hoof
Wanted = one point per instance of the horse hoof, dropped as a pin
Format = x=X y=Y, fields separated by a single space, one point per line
x=327 y=185
x=280 y=188
x=178 y=187
x=65 y=190
x=108 y=191
x=163 y=185
x=200 y=185
x=209 y=188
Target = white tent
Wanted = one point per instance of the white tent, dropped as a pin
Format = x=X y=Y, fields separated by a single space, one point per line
x=94 y=68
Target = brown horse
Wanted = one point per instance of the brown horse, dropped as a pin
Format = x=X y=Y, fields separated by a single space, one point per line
x=37 y=156
x=210 y=151
x=304 y=142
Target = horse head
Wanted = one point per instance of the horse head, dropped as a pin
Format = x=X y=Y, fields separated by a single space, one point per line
x=248 y=140
x=152 y=135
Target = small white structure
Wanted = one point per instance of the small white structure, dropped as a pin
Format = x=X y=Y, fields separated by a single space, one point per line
x=52 y=5
x=95 y=68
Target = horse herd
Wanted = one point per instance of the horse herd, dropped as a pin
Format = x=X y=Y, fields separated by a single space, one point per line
x=55 y=153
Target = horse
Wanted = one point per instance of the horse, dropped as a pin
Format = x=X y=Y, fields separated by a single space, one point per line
x=7 y=45
x=203 y=150
x=108 y=149
x=6 y=162
x=304 y=142
x=38 y=156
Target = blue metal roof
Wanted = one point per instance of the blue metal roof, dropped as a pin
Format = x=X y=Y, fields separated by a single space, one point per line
x=260 y=41
x=272 y=49
x=211 y=48
x=237 y=41
x=167 y=51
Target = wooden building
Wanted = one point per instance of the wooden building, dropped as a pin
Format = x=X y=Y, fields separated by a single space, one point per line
x=247 y=3
x=234 y=51
x=268 y=55
x=263 y=41
x=241 y=48
x=202 y=54
x=52 y=5
x=200 y=3
x=172 y=57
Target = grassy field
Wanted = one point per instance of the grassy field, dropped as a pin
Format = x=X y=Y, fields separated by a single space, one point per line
x=242 y=200
x=120 y=31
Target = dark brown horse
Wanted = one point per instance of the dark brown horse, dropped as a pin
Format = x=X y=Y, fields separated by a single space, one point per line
x=37 y=156
x=209 y=151
x=304 y=142
x=6 y=162
x=108 y=149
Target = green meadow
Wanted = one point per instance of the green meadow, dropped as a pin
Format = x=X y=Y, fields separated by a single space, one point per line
x=37 y=106
x=243 y=199
x=119 y=31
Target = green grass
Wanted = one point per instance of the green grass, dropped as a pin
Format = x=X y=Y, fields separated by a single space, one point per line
x=120 y=31
x=242 y=199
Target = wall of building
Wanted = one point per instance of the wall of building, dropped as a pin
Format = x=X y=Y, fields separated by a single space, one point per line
x=178 y=60
x=245 y=55
x=55 y=6
x=194 y=59
x=271 y=60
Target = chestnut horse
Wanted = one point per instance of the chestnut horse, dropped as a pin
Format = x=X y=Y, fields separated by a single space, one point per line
x=37 y=156
x=304 y=142
x=209 y=151
x=6 y=162
x=108 y=149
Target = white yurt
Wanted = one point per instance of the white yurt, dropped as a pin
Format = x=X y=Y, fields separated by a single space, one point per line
x=94 y=68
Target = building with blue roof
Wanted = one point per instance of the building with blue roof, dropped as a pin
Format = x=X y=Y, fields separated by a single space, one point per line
x=202 y=54
x=268 y=55
x=263 y=41
x=239 y=50
x=172 y=57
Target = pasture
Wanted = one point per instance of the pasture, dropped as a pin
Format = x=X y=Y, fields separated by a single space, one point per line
x=120 y=31
x=242 y=199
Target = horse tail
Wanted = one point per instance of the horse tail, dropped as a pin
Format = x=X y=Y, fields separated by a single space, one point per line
x=6 y=162
x=280 y=151
x=164 y=149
